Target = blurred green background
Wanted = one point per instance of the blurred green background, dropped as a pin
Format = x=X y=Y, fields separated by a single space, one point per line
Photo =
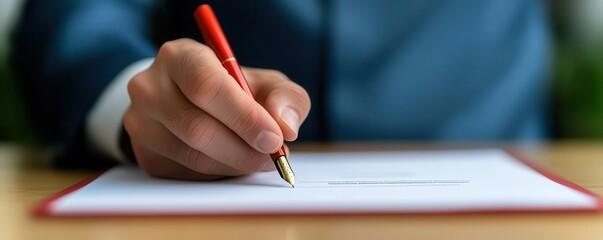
x=577 y=73
x=13 y=124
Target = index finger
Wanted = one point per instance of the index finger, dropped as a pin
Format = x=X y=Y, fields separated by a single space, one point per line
x=197 y=72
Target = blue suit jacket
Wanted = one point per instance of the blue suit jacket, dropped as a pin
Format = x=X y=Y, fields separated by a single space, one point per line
x=420 y=70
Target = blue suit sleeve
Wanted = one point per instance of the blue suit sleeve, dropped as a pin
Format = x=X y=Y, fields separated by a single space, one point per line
x=65 y=53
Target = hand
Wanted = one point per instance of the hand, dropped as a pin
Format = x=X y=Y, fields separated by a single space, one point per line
x=189 y=119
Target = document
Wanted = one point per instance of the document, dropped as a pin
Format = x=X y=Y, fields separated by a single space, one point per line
x=453 y=181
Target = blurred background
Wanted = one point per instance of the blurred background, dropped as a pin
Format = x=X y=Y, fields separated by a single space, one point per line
x=13 y=126
x=577 y=94
x=578 y=72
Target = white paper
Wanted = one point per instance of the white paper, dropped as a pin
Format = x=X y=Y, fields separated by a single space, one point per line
x=365 y=182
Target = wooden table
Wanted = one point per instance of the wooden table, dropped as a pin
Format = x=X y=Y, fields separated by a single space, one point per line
x=25 y=179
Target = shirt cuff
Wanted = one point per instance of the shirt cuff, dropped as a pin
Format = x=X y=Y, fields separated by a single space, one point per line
x=104 y=123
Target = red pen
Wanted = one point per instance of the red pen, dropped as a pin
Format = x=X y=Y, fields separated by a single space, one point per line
x=214 y=37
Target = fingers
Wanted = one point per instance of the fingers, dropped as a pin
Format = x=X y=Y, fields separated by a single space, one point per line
x=188 y=116
x=154 y=139
x=180 y=131
x=287 y=102
x=199 y=75
x=160 y=166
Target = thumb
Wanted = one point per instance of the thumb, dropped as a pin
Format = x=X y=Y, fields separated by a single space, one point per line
x=286 y=101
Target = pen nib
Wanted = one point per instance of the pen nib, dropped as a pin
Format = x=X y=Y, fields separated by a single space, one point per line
x=284 y=169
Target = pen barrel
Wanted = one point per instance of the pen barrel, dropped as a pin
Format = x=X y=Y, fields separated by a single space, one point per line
x=281 y=152
x=214 y=37
x=212 y=32
x=235 y=71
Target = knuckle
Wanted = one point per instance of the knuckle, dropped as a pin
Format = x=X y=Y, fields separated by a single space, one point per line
x=194 y=56
x=201 y=163
x=202 y=82
x=168 y=50
x=184 y=61
x=196 y=132
x=197 y=161
x=131 y=123
x=206 y=87
x=247 y=124
x=138 y=89
x=145 y=96
x=172 y=49
x=194 y=70
x=170 y=116
x=208 y=166
x=169 y=111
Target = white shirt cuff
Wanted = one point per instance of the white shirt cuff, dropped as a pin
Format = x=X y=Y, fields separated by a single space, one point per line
x=104 y=123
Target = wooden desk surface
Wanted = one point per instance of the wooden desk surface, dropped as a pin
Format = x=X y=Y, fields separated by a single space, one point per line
x=25 y=180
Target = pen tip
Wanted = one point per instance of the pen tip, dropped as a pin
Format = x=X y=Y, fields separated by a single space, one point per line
x=282 y=165
x=290 y=181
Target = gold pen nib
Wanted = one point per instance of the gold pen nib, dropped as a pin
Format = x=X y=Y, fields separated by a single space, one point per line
x=284 y=169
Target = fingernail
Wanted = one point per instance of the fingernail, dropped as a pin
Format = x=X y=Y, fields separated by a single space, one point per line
x=268 y=141
x=291 y=118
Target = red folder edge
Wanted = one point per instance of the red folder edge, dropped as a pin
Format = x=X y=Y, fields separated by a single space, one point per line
x=44 y=208
x=556 y=178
